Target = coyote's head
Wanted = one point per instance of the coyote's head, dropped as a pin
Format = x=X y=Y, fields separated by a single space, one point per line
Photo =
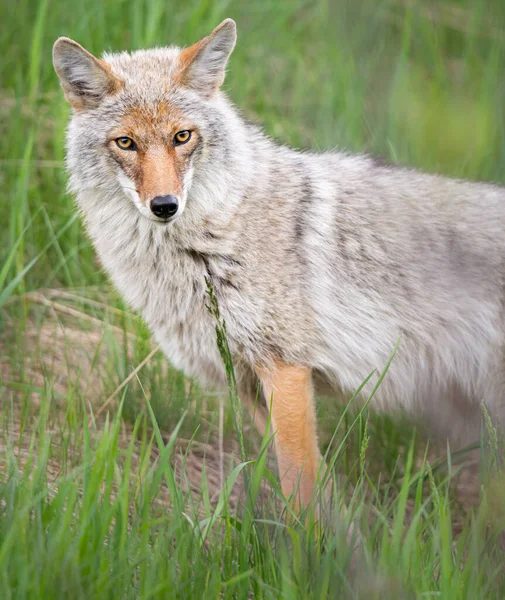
x=145 y=123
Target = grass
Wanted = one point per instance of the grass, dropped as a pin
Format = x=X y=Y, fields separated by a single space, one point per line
x=162 y=498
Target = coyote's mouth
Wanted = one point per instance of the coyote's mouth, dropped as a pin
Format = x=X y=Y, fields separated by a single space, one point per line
x=163 y=222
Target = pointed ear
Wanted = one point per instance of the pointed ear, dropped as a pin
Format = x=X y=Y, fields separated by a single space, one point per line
x=86 y=80
x=202 y=65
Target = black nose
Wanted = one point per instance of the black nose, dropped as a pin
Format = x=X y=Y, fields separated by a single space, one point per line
x=164 y=206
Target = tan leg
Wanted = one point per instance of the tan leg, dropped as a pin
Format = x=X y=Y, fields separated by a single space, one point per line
x=289 y=390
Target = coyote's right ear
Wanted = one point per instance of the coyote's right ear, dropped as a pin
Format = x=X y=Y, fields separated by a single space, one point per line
x=86 y=80
x=202 y=65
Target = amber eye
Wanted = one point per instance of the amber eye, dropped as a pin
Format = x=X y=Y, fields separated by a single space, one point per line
x=182 y=137
x=125 y=143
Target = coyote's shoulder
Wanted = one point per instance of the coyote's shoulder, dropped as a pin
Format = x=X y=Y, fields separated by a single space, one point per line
x=320 y=262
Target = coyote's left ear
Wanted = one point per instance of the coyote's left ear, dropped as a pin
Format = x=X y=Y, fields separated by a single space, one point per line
x=202 y=64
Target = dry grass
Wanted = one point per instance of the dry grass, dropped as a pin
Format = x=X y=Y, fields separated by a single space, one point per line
x=72 y=346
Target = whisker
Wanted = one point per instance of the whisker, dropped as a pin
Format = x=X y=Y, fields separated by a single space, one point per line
x=126 y=187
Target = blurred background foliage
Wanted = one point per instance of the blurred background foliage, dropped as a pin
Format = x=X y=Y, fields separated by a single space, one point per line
x=415 y=82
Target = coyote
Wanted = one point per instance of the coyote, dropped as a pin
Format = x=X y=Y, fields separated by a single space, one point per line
x=321 y=262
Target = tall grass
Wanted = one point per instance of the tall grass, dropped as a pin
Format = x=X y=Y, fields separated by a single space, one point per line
x=99 y=508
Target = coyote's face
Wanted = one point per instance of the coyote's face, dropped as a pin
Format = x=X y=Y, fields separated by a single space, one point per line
x=144 y=123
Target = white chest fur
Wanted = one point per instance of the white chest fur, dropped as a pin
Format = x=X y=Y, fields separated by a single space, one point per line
x=166 y=284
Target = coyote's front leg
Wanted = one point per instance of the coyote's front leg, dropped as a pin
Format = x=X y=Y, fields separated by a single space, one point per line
x=288 y=390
